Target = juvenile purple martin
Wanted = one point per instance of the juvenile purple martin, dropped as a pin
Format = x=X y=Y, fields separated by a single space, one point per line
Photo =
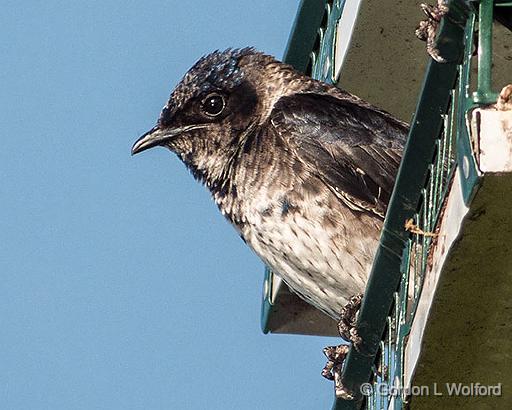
x=302 y=169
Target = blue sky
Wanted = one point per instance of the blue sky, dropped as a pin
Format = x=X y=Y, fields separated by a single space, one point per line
x=122 y=285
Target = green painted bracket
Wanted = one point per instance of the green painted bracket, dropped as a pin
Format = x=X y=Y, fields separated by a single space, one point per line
x=484 y=93
x=386 y=275
x=322 y=56
x=304 y=35
x=310 y=49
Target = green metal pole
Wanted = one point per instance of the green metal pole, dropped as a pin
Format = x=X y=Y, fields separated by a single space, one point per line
x=484 y=92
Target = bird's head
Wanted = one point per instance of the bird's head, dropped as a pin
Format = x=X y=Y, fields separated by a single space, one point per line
x=219 y=100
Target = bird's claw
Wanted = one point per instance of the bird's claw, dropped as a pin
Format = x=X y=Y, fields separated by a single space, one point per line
x=435 y=12
x=427 y=29
x=355 y=338
x=348 y=318
x=336 y=354
x=332 y=370
x=504 y=102
x=335 y=357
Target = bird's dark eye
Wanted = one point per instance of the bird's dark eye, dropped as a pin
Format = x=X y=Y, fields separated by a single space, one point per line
x=213 y=105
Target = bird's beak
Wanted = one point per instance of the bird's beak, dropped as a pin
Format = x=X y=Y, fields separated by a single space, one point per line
x=155 y=136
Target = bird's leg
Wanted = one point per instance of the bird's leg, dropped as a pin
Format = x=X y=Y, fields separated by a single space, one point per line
x=427 y=29
x=347 y=323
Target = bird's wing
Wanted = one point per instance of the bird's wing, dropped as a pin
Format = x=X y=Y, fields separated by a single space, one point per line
x=352 y=147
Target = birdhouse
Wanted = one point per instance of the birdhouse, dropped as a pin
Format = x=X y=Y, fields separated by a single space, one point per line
x=436 y=307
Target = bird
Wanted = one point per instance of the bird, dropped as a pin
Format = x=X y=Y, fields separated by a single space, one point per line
x=302 y=169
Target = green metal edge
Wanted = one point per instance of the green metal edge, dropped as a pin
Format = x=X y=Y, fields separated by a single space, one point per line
x=418 y=154
x=469 y=175
x=323 y=69
x=484 y=93
x=304 y=33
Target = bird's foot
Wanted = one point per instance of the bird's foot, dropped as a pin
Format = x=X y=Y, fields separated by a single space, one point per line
x=335 y=357
x=504 y=102
x=427 y=29
x=332 y=370
x=336 y=354
x=348 y=318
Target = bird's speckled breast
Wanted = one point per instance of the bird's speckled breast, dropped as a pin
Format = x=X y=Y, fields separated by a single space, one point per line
x=313 y=243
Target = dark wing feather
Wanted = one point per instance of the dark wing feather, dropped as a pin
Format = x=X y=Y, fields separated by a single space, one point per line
x=354 y=148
